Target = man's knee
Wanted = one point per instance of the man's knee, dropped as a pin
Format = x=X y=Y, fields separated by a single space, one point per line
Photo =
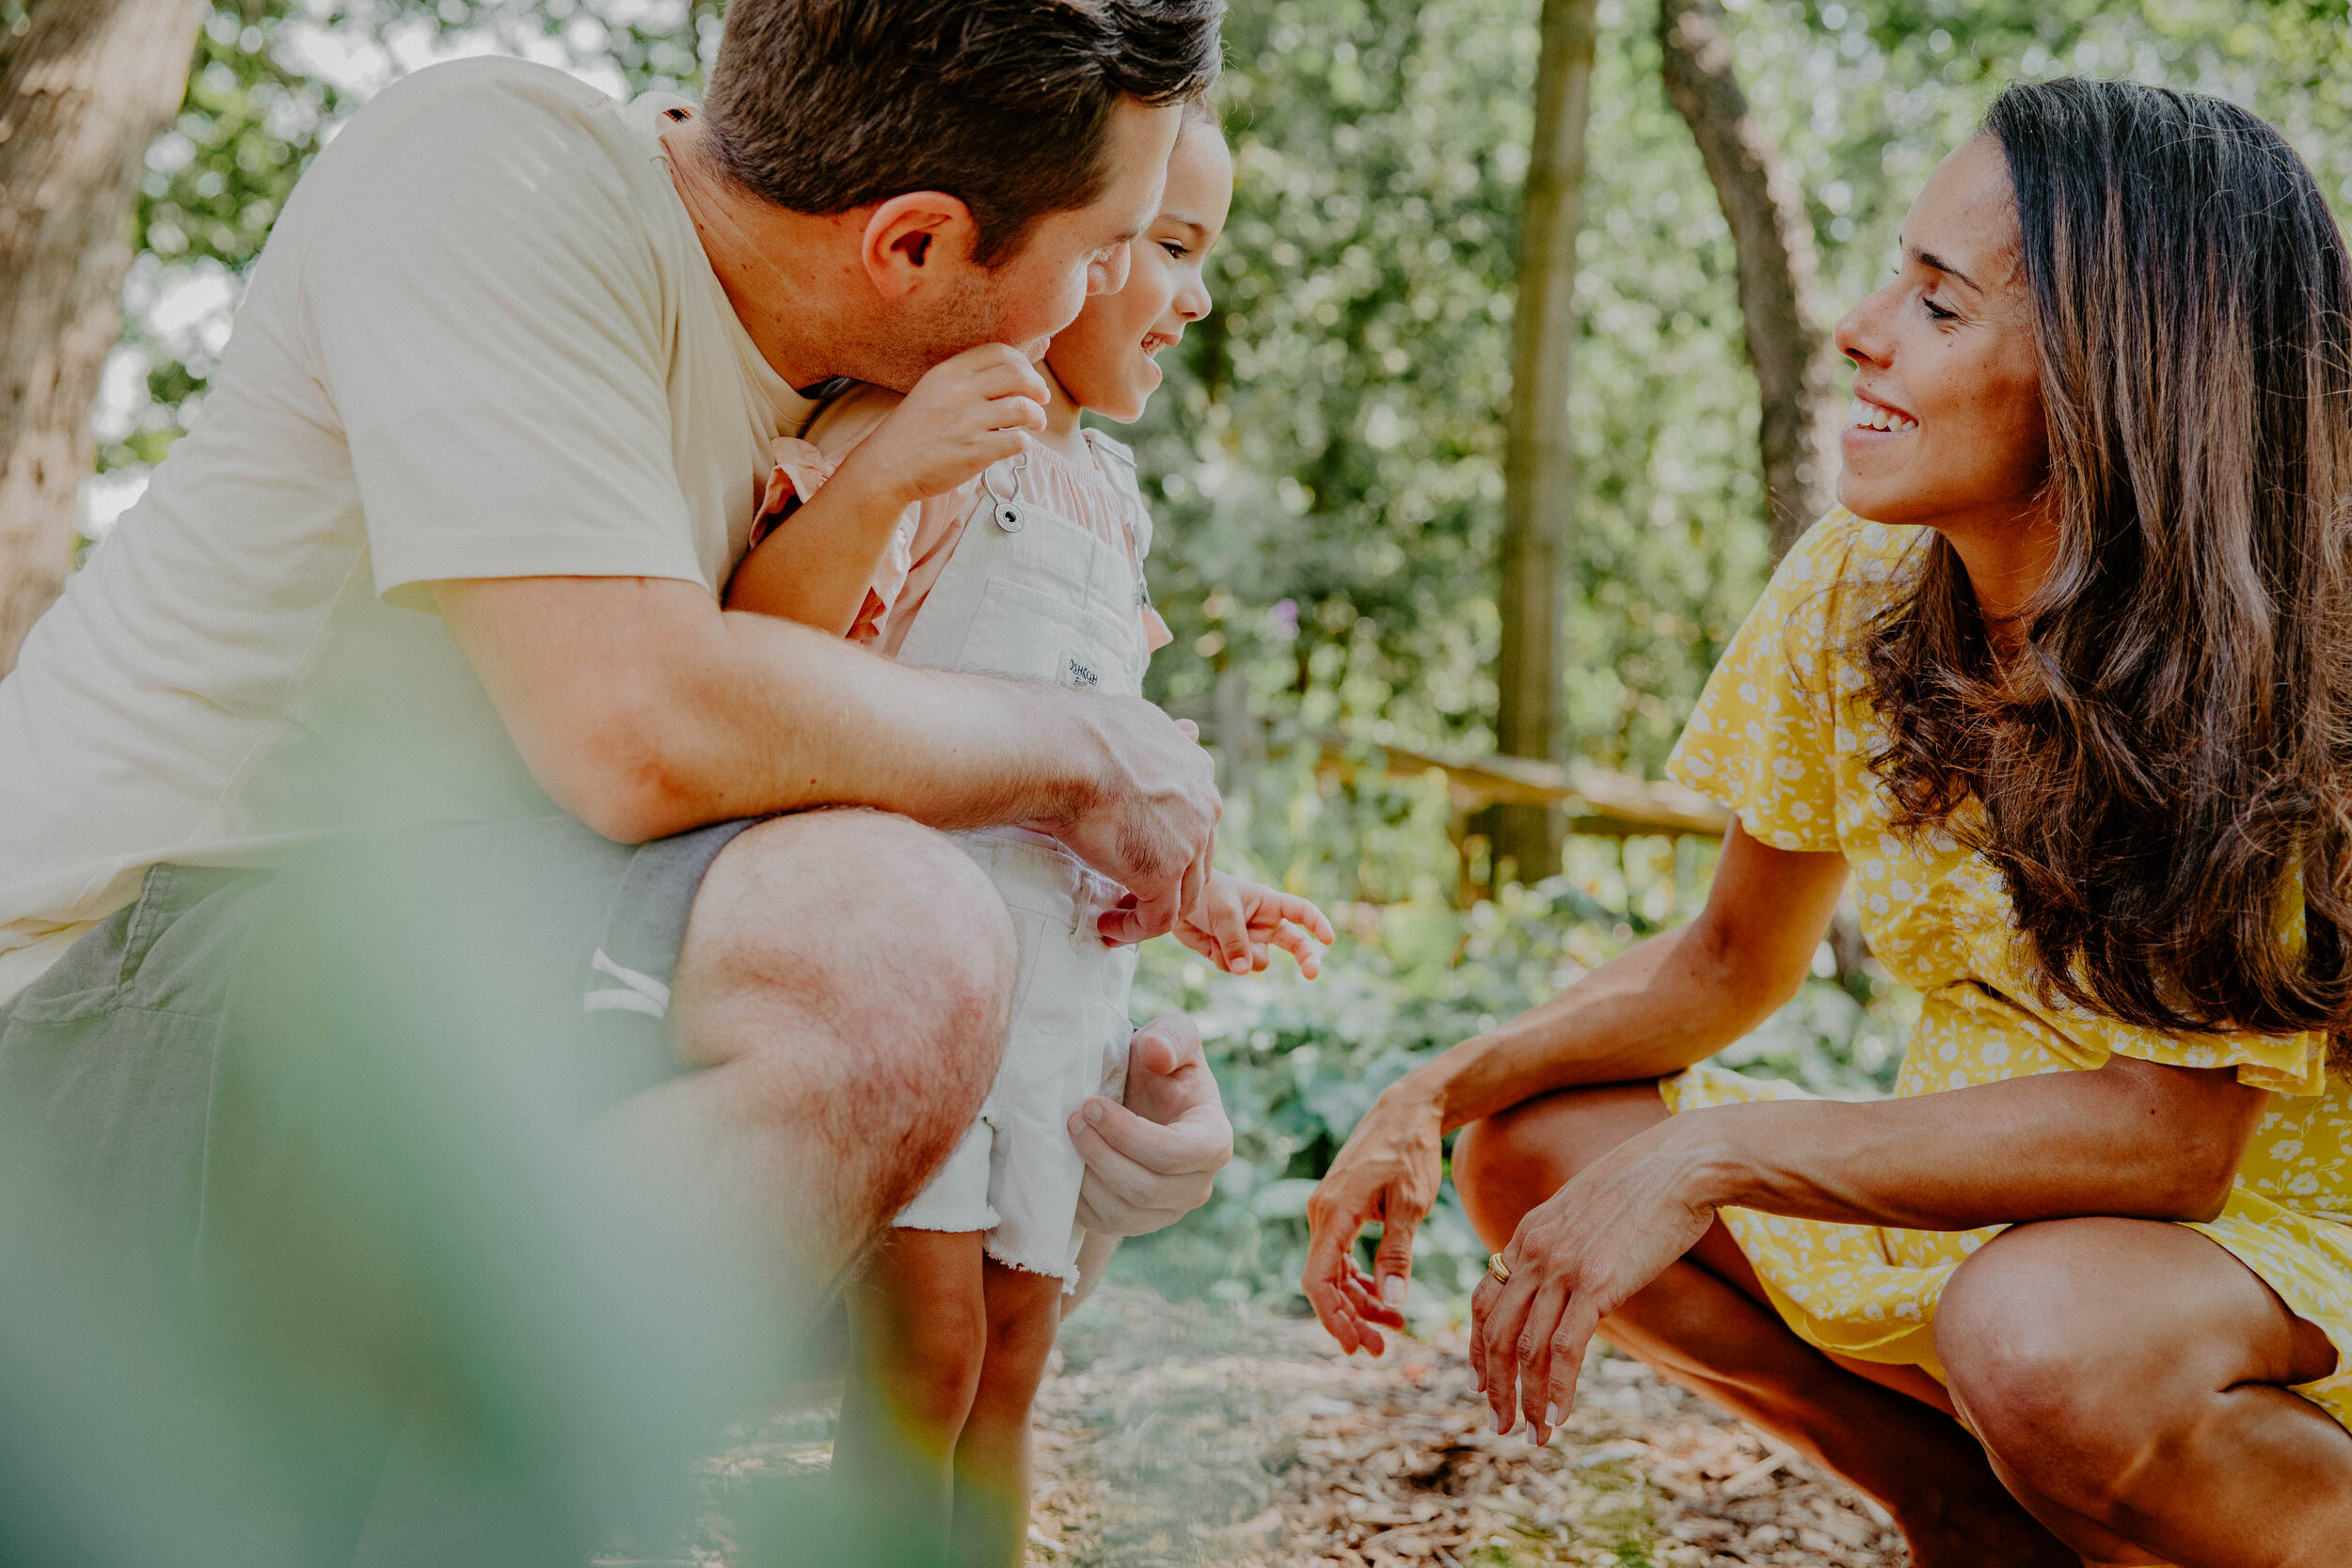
x=870 y=930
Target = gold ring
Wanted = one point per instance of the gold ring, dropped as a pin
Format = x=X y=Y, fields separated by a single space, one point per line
x=1499 y=1268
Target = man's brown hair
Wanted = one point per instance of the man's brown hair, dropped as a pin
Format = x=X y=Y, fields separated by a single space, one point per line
x=825 y=105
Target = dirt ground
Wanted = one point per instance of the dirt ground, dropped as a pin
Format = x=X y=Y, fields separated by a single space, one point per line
x=1174 y=1436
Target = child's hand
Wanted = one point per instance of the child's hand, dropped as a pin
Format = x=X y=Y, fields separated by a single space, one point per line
x=1238 y=923
x=965 y=414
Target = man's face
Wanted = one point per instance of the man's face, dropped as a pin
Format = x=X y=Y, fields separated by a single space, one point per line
x=1038 y=289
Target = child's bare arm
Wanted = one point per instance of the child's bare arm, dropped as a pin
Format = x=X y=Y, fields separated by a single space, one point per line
x=965 y=413
x=816 y=567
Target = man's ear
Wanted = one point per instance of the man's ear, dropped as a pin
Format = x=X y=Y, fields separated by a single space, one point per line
x=914 y=236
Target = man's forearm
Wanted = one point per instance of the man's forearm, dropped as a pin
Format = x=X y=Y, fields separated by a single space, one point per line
x=645 y=711
x=789 y=717
x=2132 y=1140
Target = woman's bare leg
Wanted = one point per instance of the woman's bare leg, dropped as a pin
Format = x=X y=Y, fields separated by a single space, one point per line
x=921 y=1323
x=2126 y=1377
x=1705 y=1325
x=992 y=1512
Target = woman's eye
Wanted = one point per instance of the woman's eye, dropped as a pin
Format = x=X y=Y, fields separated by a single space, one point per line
x=1938 y=311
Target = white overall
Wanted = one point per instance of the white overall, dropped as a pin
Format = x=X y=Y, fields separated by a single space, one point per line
x=1033 y=594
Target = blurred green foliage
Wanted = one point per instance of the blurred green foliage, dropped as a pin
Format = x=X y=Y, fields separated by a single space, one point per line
x=1327 y=452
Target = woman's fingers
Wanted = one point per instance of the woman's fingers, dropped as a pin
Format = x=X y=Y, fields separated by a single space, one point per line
x=1331 y=1238
x=1499 y=1344
x=1578 y=1324
x=1531 y=1356
x=1363 y=1296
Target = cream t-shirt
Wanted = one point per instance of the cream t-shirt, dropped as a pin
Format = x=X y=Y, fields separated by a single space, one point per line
x=483 y=341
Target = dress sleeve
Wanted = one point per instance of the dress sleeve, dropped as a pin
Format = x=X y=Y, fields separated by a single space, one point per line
x=1762 y=740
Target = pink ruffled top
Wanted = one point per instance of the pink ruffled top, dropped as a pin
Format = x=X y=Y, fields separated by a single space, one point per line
x=1099 y=494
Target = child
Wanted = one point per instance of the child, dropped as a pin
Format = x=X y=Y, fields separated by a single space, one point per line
x=1021 y=555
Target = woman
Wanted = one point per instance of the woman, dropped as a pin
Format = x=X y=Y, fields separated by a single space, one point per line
x=2073 y=709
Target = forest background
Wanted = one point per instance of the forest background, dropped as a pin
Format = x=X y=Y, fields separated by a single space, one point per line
x=1330 y=456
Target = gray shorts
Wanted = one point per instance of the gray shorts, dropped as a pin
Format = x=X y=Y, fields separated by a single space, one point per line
x=536 y=950
x=289 y=1162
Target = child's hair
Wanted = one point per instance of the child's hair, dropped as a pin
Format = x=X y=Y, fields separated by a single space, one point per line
x=1200 y=111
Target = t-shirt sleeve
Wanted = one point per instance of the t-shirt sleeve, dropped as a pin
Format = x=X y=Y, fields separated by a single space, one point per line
x=1762 y=740
x=486 y=313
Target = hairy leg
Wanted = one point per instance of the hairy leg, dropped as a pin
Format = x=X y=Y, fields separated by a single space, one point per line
x=844 y=986
x=992 y=1459
x=1705 y=1324
x=922 y=1324
x=2126 y=1376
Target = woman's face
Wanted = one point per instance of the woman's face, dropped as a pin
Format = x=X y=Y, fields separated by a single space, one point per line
x=1105 y=358
x=1947 y=428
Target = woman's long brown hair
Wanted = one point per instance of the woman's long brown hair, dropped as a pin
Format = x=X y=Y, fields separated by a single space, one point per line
x=2166 y=763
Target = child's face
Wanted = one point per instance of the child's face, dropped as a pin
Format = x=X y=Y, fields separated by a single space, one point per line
x=1103 y=359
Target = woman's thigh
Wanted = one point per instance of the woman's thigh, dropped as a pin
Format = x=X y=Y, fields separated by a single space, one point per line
x=2128 y=1378
x=2116 y=1314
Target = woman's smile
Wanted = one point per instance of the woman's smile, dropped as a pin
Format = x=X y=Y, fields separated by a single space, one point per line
x=1871 y=416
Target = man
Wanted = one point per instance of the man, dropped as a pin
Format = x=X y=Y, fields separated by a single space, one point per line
x=437 y=575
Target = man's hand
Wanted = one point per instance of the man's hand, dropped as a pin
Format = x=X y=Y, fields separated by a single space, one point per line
x=1150 y=824
x=966 y=413
x=1153 y=1159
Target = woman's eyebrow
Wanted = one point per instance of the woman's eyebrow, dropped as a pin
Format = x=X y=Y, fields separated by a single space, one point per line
x=1929 y=258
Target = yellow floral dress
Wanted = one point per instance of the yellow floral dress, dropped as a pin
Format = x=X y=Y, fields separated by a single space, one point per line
x=1781 y=736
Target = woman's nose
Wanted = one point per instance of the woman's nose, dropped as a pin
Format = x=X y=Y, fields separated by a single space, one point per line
x=1861 y=335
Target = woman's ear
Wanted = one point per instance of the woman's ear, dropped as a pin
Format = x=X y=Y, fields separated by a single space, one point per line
x=914 y=236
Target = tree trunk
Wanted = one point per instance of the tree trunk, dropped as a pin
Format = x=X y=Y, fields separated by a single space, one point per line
x=1539 y=461
x=82 y=91
x=1772 y=235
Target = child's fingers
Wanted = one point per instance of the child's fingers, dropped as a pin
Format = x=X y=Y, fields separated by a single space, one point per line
x=1291 y=940
x=1219 y=913
x=1306 y=914
x=1014 y=413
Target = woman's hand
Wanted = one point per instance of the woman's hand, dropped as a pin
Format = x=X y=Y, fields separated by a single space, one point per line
x=1388 y=1171
x=1575 y=1258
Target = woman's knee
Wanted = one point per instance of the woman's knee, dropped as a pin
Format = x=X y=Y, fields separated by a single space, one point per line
x=1508 y=1163
x=2047 y=1372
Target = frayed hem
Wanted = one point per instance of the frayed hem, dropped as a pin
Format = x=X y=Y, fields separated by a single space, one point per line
x=1069 y=1277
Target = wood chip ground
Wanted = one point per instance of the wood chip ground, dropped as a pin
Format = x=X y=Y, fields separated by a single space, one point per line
x=1186 y=1436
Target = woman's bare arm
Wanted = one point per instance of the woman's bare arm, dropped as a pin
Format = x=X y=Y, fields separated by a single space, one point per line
x=2136 y=1140
x=1673 y=1001
x=2131 y=1140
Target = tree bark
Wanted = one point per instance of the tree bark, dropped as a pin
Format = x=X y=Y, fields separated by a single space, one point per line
x=1539 y=461
x=1796 y=365
x=82 y=91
